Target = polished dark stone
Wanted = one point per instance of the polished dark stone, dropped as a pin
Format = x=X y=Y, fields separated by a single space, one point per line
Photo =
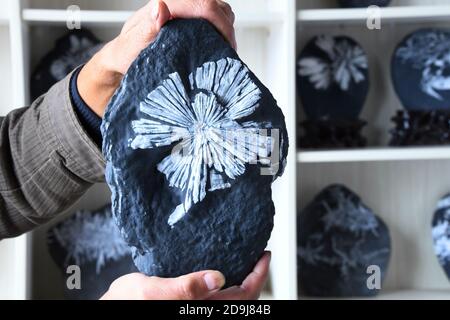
x=91 y=241
x=363 y=3
x=226 y=229
x=72 y=50
x=441 y=233
x=333 y=83
x=332 y=78
x=420 y=70
x=339 y=238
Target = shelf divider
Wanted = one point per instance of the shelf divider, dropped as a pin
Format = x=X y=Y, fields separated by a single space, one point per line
x=360 y=15
x=374 y=154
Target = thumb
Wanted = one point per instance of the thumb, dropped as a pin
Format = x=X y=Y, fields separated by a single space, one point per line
x=194 y=286
x=160 y=13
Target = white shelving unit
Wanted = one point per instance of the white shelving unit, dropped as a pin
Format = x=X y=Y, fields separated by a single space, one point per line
x=265 y=32
x=374 y=155
x=102 y=17
x=405 y=14
x=402 y=185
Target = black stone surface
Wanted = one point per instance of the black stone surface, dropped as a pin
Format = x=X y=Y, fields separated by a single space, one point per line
x=338 y=239
x=421 y=128
x=363 y=3
x=228 y=230
x=441 y=233
x=421 y=70
x=340 y=97
x=96 y=276
x=72 y=50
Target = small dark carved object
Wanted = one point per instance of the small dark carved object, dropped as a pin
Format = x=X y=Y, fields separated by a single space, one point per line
x=339 y=241
x=419 y=128
x=332 y=134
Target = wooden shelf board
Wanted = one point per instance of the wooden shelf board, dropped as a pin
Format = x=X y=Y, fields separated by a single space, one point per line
x=102 y=17
x=374 y=154
x=398 y=295
x=360 y=15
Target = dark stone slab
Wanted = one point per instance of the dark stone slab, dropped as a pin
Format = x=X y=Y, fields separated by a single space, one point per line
x=421 y=70
x=441 y=233
x=92 y=241
x=179 y=212
x=338 y=239
x=332 y=78
x=72 y=50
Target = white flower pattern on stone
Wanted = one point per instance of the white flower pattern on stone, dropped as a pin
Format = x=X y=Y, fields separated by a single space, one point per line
x=345 y=63
x=89 y=237
x=430 y=53
x=441 y=238
x=212 y=147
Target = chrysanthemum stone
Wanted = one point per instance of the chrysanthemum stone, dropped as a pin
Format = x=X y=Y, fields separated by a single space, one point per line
x=193 y=141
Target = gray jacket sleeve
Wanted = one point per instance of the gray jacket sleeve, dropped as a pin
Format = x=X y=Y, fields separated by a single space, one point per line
x=47 y=161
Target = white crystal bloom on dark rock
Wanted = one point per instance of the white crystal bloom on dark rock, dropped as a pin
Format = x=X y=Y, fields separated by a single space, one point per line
x=91 y=237
x=344 y=64
x=441 y=238
x=210 y=148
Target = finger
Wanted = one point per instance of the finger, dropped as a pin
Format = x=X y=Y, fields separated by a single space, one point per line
x=226 y=8
x=220 y=20
x=160 y=13
x=252 y=285
x=194 y=286
x=232 y=293
x=257 y=279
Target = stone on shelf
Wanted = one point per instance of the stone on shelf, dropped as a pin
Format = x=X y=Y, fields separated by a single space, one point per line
x=91 y=241
x=72 y=50
x=363 y=3
x=441 y=233
x=339 y=240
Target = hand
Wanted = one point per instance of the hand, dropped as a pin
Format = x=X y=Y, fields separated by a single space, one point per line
x=195 y=286
x=100 y=77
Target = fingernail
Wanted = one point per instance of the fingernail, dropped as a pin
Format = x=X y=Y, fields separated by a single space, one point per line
x=214 y=280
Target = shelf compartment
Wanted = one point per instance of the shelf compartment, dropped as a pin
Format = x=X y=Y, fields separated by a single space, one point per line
x=359 y=15
x=374 y=154
x=105 y=17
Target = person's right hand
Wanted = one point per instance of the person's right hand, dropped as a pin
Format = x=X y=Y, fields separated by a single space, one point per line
x=100 y=77
x=203 y=285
